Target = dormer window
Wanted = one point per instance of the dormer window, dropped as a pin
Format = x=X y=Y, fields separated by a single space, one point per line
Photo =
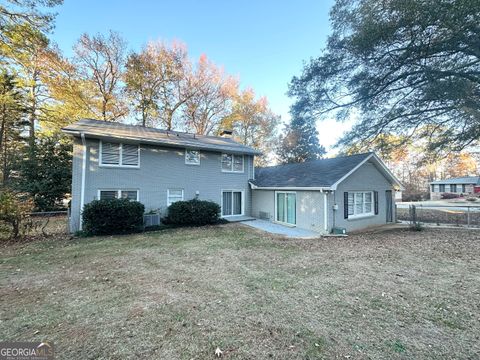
x=192 y=157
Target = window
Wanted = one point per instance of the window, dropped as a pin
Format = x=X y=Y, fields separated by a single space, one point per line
x=232 y=163
x=192 y=157
x=121 y=155
x=286 y=207
x=174 y=195
x=453 y=188
x=232 y=203
x=442 y=187
x=118 y=194
x=360 y=203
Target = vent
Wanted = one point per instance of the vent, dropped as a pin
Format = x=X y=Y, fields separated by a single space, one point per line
x=264 y=215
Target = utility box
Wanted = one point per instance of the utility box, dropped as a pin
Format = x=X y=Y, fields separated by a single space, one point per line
x=339 y=231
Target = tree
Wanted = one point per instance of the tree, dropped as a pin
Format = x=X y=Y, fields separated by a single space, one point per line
x=211 y=98
x=253 y=123
x=300 y=142
x=27 y=57
x=462 y=164
x=15 y=14
x=406 y=67
x=142 y=86
x=48 y=177
x=11 y=122
x=100 y=59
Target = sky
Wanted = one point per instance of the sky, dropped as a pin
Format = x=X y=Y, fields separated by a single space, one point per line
x=262 y=42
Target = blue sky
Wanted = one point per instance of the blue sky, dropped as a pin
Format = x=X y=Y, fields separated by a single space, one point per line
x=263 y=42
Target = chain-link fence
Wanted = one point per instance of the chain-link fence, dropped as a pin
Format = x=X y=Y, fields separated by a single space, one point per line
x=463 y=215
x=49 y=223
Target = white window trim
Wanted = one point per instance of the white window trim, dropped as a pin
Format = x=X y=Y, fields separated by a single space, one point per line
x=168 y=196
x=362 y=215
x=233 y=160
x=275 y=216
x=221 y=202
x=119 y=192
x=121 y=157
x=193 y=163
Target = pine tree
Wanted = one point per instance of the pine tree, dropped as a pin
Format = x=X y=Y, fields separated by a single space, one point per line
x=300 y=142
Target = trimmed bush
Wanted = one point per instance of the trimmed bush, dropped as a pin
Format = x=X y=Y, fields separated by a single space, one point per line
x=113 y=216
x=450 y=196
x=193 y=213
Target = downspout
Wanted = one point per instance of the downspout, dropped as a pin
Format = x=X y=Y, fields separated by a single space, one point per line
x=82 y=188
x=325 y=212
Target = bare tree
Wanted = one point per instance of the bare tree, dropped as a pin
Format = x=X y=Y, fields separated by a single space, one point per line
x=101 y=59
x=211 y=97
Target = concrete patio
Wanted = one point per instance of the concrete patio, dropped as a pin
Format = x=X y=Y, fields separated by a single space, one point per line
x=287 y=231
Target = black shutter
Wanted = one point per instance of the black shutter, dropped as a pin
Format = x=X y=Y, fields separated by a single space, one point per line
x=375 y=196
x=345 y=205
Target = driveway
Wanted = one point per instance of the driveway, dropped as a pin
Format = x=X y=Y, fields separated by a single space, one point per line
x=446 y=205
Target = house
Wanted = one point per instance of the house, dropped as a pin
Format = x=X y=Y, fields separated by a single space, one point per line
x=466 y=185
x=159 y=167
x=350 y=192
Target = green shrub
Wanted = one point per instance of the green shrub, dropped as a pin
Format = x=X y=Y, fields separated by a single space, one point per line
x=14 y=214
x=112 y=216
x=193 y=213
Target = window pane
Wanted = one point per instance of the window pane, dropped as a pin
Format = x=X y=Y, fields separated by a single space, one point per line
x=227 y=203
x=130 y=155
x=226 y=162
x=291 y=207
x=351 y=203
x=238 y=163
x=108 y=194
x=129 y=194
x=237 y=203
x=110 y=153
x=358 y=203
x=281 y=207
x=176 y=193
x=192 y=157
x=368 y=207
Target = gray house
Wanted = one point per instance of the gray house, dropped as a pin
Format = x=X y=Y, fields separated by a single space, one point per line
x=159 y=167
x=466 y=185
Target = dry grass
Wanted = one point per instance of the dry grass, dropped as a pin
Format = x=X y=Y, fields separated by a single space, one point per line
x=180 y=294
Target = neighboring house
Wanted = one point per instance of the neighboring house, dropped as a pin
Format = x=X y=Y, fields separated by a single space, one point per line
x=351 y=192
x=159 y=167
x=466 y=185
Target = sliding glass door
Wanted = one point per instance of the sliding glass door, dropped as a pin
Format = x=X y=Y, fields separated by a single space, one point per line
x=231 y=203
x=286 y=204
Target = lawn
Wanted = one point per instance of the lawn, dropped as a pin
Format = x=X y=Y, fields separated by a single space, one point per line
x=180 y=294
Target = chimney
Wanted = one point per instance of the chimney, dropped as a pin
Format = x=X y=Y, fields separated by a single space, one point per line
x=226 y=133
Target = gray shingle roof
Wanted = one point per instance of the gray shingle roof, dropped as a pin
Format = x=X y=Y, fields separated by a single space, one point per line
x=112 y=130
x=460 y=180
x=317 y=173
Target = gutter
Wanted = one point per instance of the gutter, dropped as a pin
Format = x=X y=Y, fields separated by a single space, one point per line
x=82 y=188
x=316 y=188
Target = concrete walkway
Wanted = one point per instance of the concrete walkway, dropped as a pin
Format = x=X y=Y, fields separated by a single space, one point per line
x=287 y=231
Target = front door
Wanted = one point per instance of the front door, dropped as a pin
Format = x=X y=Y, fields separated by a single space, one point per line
x=388 y=195
x=286 y=203
x=231 y=203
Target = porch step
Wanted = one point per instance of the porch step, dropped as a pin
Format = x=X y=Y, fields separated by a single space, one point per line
x=239 y=218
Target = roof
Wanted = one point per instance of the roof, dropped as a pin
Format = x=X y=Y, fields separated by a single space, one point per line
x=459 y=180
x=116 y=131
x=324 y=173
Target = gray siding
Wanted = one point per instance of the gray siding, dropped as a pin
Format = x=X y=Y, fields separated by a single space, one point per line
x=160 y=169
x=309 y=209
x=365 y=178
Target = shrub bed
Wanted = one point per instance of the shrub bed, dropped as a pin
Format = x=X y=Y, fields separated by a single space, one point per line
x=193 y=213
x=113 y=216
